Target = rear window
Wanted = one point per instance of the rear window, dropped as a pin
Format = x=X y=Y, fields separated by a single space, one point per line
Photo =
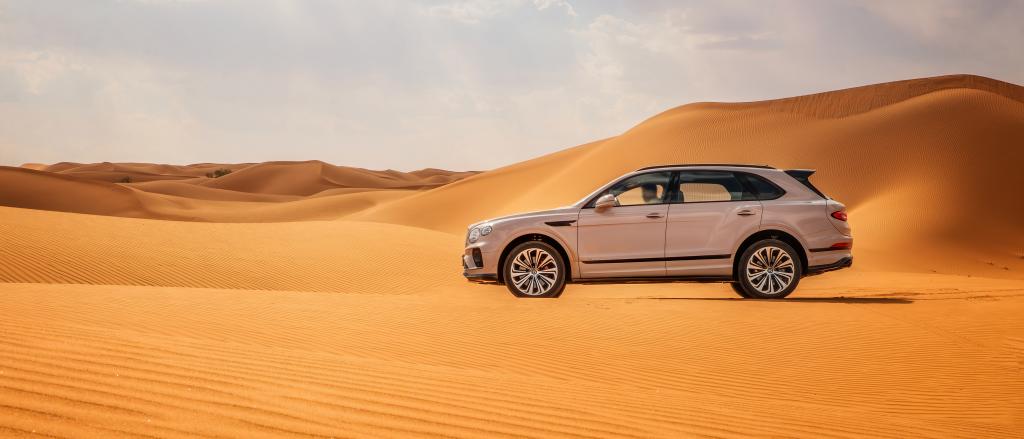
x=763 y=189
x=705 y=186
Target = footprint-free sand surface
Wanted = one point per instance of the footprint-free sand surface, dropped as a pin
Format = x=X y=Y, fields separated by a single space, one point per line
x=308 y=299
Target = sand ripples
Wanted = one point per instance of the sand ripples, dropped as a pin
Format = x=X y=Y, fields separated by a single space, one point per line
x=169 y=362
x=50 y=247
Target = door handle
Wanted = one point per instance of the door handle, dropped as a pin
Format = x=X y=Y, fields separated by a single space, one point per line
x=654 y=215
x=745 y=212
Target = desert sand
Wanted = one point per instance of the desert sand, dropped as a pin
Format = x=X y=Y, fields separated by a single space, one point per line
x=308 y=299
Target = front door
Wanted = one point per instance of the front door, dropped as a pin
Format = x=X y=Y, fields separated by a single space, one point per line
x=627 y=240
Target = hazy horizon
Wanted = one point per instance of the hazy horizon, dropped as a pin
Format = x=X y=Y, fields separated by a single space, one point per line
x=463 y=85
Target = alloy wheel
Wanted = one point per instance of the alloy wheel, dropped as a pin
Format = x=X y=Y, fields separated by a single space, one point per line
x=534 y=272
x=770 y=270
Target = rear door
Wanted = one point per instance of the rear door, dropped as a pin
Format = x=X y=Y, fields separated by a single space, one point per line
x=714 y=212
x=627 y=240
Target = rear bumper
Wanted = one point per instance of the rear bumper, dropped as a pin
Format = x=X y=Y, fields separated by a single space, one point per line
x=845 y=262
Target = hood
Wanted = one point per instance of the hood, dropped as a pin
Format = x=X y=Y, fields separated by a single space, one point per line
x=559 y=211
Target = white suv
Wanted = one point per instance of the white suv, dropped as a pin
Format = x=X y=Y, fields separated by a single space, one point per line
x=757 y=227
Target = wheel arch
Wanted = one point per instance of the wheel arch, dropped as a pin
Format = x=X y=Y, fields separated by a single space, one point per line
x=770 y=234
x=534 y=237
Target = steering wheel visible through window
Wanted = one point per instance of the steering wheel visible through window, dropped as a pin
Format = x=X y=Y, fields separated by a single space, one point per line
x=650 y=188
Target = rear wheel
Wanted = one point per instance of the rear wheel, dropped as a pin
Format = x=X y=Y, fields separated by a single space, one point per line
x=534 y=269
x=769 y=269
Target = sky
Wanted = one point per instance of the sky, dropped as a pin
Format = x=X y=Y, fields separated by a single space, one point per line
x=456 y=84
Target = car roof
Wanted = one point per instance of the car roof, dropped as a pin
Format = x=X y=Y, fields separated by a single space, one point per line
x=705 y=165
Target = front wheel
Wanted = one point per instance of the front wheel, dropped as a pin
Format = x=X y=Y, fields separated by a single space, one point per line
x=769 y=269
x=534 y=269
x=739 y=289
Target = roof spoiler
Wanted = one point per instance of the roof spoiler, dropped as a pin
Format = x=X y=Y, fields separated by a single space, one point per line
x=800 y=173
x=803 y=176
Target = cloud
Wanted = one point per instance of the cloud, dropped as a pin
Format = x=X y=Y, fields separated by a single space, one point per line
x=466 y=84
x=558 y=4
x=471 y=11
x=475 y=11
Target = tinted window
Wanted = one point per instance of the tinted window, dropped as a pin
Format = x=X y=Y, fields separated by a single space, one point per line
x=647 y=188
x=765 y=190
x=704 y=186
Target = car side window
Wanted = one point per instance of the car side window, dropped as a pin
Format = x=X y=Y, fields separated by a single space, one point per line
x=649 y=188
x=765 y=190
x=707 y=186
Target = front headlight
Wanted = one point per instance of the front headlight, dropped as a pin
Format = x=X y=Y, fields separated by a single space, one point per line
x=477 y=232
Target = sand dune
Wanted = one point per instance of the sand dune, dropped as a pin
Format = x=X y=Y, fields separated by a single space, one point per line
x=136 y=172
x=194 y=170
x=307 y=299
x=31 y=189
x=349 y=257
x=270 y=178
x=308 y=178
x=276 y=191
x=926 y=163
x=336 y=205
x=200 y=192
x=923 y=164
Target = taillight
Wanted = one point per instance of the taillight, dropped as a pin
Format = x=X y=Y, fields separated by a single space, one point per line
x=839 y=215
x=841 y=246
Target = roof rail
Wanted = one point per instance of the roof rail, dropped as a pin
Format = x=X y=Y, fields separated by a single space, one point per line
x=706 y=164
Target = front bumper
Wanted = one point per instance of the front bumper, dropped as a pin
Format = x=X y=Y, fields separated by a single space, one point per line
x=479 y=266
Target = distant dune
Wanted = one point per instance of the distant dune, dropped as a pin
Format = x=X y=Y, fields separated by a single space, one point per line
x=268 y=192
x=308 y=299
x=126 y=169
x=312 y=177
x=36 y=166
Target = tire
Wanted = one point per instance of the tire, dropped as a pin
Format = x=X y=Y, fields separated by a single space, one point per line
x=534 y=269
x=765 y=267
x=738 y=289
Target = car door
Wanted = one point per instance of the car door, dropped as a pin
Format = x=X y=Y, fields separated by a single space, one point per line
x=714 y=213
x=626 y=240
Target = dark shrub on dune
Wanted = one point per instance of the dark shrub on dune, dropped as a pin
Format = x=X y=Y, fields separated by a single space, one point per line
x=218 y=173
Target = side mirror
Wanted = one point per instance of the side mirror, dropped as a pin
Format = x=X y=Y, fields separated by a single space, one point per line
x=606 y=201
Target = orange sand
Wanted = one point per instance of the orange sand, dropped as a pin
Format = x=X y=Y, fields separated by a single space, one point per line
x=306 y=299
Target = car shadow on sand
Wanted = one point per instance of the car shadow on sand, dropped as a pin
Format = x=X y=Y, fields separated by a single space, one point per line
x=841 y=299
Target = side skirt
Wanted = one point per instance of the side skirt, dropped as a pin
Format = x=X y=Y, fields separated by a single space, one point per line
x=652 y=279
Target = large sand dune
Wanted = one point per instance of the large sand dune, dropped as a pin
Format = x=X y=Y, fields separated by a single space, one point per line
x=307 y=299
x=929 y=167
